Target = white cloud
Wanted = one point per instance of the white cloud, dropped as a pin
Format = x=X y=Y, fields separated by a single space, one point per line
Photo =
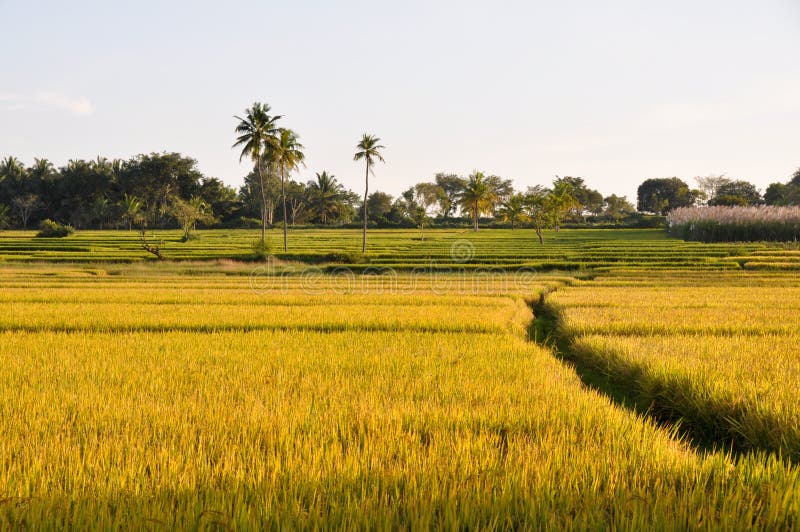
x=47 y=100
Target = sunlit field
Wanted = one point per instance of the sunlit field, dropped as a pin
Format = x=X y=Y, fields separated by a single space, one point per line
x=227 y=394
x=568 y=249
x=724 y=360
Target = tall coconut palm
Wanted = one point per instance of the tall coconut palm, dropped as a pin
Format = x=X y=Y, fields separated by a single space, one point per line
x=286 y=153
x=325 y=194
x=368 y=149
x=478 y=196
x=256 y=133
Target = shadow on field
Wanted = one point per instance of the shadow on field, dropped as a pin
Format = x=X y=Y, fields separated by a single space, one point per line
x=704 y=434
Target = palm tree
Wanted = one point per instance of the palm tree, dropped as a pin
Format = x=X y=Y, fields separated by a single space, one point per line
x=324 y=194
x=368 y=149
x=477 y=196
x=11 y=168
x=41 y=170
x=131 y=206
x=286 y=153
x=257 y=132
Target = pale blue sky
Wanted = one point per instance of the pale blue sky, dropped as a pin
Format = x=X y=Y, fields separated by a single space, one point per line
x=614 y=91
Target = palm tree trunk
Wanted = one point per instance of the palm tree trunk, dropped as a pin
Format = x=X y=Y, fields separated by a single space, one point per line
x=263 y=204
x=477 y=213
x=366 y=191
x=283 y=198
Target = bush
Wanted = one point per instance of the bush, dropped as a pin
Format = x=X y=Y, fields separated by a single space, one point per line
x=186 y=237
x=247 y=223
x=262 y=249
x=50 y=229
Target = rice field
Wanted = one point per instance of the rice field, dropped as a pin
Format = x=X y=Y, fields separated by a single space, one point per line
x=723 y=359
x=404 y=250
x=234 y=395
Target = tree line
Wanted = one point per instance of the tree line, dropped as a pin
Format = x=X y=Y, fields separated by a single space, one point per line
x=665 y=194
x=161 y=190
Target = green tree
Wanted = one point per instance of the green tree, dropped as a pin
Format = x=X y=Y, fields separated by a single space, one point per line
x=100 y=209
x=618 y=207
x=561 y=201
x=784 y=194
x=131 y=209
x=155 y=179
x=708 y=186
x=379 y=206
x=452 y=185
x=664 y=194
x=257 y=132
x=477 y=197
x=220 y=198
x=286 y=153
x=418 y=202
x=5 y=219
x=324 y=195
x=368 y=149
x=25 y=205
x=188 y=213
x=538 y=206
x=297 y=198
x=429 y=195
x=736 y=193
x=586 y=200
x=513 y=210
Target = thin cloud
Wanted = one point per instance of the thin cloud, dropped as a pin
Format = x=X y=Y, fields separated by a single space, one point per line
x=47 y=100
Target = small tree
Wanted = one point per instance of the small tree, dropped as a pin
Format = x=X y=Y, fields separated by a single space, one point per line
x=188 y=213
x=617 y=207
x=538 y=208
x=297 y=198
x=513 y=210
x=154 y=249
x=417 y=202
x=560 y=201
x=451 y=185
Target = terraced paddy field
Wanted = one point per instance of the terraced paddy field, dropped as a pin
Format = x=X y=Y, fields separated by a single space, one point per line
x=230 y=395
x=587 y=249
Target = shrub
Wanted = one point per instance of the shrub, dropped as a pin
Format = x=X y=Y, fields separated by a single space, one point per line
x=50 y=229
x=736 y=224
x=262 y=249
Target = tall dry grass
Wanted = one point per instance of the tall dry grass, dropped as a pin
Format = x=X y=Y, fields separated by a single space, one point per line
x=736 y=224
